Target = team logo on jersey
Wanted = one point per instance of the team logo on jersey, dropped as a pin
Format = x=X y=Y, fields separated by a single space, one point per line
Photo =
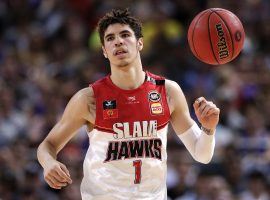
x=154 y=96
x=156 y=108
x=109 y=109
x=130 y=149
x=137 y=139
x=109 y=104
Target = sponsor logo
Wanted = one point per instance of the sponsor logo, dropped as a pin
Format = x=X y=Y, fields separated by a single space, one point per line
x=132 y=100
x=156 y=108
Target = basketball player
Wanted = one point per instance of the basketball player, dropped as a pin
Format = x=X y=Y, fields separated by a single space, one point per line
x=127 y=114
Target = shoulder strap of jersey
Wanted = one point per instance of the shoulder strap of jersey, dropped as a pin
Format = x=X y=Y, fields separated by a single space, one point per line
x=156 y=80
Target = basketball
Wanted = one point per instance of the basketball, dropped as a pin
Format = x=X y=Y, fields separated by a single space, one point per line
x=216 y=36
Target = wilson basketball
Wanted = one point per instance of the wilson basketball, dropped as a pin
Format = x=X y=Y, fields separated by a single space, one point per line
x=216 y=36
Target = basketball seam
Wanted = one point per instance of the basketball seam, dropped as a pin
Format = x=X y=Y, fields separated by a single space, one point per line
x=193 y=35
x=209 y=36
x=229 y=33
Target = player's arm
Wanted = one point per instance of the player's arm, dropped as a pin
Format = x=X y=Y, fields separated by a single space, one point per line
x=199 y=143
x=76 y=114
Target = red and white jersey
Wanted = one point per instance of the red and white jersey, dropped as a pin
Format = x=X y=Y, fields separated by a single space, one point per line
x=127 y=155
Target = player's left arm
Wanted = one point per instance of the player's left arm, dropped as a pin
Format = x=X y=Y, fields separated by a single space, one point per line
x=199 y=142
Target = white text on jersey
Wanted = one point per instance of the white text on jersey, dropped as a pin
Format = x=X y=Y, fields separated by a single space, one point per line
x=135 y=130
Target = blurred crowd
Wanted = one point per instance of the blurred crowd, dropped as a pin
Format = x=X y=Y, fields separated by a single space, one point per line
x=50 y=49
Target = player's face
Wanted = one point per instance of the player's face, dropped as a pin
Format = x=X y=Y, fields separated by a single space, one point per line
x=120 y=45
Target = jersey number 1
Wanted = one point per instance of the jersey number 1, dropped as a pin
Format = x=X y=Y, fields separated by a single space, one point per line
x=138 y=166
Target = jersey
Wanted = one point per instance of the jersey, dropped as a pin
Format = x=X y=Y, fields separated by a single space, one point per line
x=127 y=158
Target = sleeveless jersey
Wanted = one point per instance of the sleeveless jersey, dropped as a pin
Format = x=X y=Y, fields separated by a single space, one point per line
x=127 y=155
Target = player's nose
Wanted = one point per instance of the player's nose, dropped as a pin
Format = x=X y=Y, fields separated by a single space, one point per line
x=118 y=41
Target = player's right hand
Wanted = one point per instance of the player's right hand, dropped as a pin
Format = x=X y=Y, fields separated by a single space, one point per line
x=57 y=175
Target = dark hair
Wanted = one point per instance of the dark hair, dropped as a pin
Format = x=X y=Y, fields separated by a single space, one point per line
x=122 y=17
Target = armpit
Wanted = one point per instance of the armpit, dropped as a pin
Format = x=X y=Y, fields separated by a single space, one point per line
x=91 y=105
x=168 y=96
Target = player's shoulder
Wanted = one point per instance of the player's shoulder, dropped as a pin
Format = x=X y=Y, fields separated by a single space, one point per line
x=155 y=79
x=100 y=81
x=169 y=84
x=84 y=95
x=87 y=91
x=155 y=76
x=172 y=86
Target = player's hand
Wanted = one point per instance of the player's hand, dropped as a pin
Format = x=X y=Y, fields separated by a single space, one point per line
x=57 y=175
x=207 y=113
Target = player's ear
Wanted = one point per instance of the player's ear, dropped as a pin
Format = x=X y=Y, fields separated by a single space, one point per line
x=104 y=52
x=140 y=44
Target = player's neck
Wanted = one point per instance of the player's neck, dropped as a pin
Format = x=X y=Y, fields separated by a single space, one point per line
x=128 y=78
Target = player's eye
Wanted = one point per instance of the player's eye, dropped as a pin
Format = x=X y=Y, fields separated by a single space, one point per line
x=110 y=38
x=124 y=35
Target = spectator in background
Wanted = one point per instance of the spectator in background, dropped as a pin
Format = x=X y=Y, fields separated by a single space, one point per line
x=256 y=187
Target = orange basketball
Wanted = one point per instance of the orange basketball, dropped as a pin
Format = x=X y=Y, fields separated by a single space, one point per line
x=216 y=36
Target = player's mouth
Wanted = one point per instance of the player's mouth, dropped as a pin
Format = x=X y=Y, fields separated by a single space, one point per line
x=119 y=52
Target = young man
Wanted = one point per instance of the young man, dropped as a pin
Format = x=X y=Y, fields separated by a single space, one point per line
x=127 y=114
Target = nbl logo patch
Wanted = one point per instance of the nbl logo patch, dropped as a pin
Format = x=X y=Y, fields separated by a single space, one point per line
x=154 y=96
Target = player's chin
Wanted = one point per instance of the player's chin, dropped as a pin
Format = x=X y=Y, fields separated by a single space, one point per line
x=122 y=63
